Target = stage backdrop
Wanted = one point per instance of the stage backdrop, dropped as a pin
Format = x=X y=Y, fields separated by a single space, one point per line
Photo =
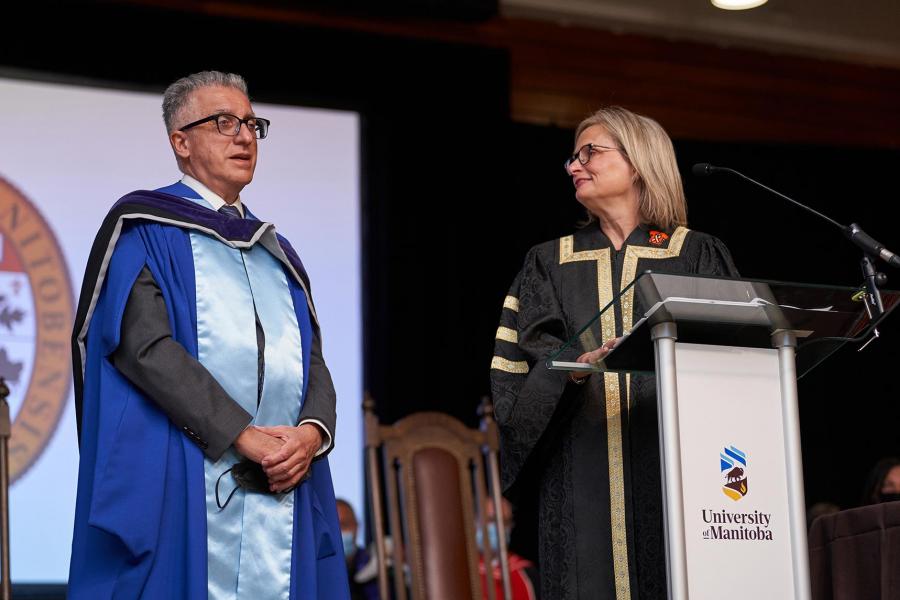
x=68 y=153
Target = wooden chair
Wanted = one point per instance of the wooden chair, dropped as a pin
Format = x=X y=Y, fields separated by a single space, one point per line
x=434 y=474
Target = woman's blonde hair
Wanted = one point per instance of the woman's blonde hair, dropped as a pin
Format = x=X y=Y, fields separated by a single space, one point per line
x=647 y=147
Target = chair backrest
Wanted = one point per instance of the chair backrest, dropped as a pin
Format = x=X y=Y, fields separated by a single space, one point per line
x=434 y=474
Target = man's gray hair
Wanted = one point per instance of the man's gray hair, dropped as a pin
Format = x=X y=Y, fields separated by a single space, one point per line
x=177 y=94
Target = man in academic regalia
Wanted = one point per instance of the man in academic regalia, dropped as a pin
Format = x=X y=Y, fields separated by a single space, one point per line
x=205 y=409
x=586 y=446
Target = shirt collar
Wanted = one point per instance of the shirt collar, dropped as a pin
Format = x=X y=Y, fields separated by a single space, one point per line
x=207 y=194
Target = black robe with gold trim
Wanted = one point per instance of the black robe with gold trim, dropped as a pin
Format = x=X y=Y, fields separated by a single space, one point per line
x=590 y=452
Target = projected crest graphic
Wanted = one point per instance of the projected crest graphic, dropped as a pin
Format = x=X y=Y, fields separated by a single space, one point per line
x=36 y=311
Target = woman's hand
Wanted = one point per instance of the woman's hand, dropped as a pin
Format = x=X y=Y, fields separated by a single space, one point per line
x=592 y=357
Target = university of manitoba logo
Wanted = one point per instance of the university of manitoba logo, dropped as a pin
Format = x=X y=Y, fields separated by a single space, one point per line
x=722 y=524
x=733 y=465
x=36 y=313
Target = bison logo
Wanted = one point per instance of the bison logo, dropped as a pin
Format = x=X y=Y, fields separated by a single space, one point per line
x=733 y=466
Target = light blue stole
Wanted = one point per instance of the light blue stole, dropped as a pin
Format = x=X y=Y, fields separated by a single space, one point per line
x=249 y=541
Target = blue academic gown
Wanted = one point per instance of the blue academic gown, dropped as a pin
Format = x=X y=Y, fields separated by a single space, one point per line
x=140 y=517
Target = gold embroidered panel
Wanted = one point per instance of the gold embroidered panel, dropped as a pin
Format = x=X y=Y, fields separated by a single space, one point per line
x=512 y=303
x=629 y=269
x=507 y=334
x=601 y=257
x=510 y=366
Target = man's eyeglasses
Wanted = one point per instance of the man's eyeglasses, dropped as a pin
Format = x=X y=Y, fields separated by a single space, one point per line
x=584 y=154
x=231 y=125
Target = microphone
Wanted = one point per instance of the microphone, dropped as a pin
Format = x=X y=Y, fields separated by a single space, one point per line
x=859 y=237
x=852 y=232
x=704 y=169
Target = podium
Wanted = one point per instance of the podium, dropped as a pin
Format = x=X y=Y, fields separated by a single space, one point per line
x=727 y=354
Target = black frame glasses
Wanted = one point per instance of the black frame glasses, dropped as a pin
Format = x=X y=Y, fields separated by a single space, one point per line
x=230 y=125
x=584 y=154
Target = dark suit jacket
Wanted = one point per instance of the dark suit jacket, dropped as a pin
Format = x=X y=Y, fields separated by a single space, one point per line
x=182 y=387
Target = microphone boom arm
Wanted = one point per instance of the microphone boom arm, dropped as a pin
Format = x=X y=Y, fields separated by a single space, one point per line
x=852 y=232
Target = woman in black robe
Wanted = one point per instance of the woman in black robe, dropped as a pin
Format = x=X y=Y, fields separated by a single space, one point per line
x=587 y=445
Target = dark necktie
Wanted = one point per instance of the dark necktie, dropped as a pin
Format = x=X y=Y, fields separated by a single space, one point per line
x=232 y=212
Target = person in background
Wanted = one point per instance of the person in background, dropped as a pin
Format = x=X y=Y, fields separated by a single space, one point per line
x=523 y=574
x=883 y=482
x=363 y=581
x=820 y=509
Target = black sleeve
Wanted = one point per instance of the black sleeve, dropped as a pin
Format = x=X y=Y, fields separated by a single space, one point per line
x=320 y=395
x=161 y=368
x=526 y=393
x=713 y=258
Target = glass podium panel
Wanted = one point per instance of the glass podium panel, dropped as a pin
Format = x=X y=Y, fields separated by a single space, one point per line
x=727 y=312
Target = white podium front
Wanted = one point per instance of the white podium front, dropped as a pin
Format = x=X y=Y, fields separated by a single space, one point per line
x=726 y=371
x=732 y=432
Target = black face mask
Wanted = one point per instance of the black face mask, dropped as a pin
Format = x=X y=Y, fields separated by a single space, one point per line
x=248 y=475
x=892 y=497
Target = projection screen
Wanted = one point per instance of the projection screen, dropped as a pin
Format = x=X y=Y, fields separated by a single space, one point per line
x=68 y=153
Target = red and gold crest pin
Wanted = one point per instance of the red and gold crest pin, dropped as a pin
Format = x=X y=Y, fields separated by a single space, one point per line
x=658 y=238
